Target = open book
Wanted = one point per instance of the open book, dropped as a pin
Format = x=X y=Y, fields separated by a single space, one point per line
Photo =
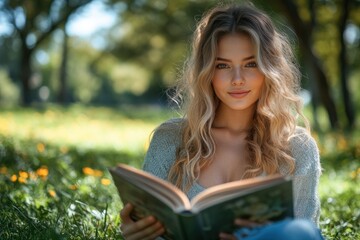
x=214 y=210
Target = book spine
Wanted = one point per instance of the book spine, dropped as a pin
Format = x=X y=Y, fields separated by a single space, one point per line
x=190 y=226
x=174 y=228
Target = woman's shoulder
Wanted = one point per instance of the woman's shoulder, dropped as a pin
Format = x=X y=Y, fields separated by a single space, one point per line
x=170 y=127
x=305 y=151
x=169 y=130
x=171 y=124
x=161 y=153
x=302 y=138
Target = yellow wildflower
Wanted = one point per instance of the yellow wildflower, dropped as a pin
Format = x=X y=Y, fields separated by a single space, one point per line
x=40 y=147
x=88 y=171
x=52 y=193
x=73 y=187
x=22 y=179
x=23 y=174
x=105 y=181
x=13 y=178
x=42 y=172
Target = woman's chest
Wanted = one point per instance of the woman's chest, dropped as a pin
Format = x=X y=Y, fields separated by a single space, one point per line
x=228 y=164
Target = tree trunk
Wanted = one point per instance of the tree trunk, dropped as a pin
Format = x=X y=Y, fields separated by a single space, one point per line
x=26 y=75
x=29 y=28
x=313 y=84
x=303 y=33
x=349 y=108
x=62 y=96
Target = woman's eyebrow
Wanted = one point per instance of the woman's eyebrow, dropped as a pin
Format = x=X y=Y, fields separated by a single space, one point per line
x=227 y=60
x=222 y=59
x=249 y=58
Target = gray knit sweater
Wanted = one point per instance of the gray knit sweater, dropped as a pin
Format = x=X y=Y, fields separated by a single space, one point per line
x=166 y=139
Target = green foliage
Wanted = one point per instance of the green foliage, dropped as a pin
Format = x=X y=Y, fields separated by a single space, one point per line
x=48 y=192
x=38 y=21
x=9 y=93
x=60 y=190
x=166 y=28
x=339 y=189
x=343 y=215
x=84 y=127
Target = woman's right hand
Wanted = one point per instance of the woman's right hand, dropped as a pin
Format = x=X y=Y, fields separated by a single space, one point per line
x=146 y=228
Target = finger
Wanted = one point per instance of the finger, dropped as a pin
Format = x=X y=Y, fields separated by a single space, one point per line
x=157 y=233
x=150 y=232
x=226 y=236
x=125 y=213
x=138 y=226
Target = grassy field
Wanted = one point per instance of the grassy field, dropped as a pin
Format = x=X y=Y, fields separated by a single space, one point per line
x=54 y=182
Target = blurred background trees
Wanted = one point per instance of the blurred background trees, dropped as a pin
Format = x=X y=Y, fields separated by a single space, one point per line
x=140 y=51
x=31 y=23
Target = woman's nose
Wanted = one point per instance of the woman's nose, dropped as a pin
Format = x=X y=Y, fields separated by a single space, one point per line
x=237 y=78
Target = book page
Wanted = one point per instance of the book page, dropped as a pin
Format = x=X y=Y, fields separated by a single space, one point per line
x=222 y=192
x=146 y=204
x=159 y=188
x=262 y=204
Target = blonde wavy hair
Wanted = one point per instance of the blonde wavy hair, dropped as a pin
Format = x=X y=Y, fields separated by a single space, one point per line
x=278 y=107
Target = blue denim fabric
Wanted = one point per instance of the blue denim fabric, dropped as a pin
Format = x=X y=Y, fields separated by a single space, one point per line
x=297 y=229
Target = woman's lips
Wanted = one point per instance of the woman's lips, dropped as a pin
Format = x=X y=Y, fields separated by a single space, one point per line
x=239 y=94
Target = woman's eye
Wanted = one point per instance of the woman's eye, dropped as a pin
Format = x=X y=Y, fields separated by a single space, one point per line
x=251 y=64
x=222 y=66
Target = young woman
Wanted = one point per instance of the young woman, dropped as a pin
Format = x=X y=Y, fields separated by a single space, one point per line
x=240 y=96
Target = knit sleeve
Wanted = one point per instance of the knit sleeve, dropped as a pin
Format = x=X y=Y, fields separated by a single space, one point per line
x=162 y=150
x=306 y=177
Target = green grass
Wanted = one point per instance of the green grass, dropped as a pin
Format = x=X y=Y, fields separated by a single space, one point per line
x=54 y=182
x=339 y=189
x=91 y=127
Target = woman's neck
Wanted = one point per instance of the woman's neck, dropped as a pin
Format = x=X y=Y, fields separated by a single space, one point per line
x=232 y=120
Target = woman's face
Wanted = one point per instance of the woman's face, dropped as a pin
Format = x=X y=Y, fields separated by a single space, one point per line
x=237 y=80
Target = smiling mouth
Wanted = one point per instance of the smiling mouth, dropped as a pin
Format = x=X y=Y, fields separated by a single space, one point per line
x=239 y=94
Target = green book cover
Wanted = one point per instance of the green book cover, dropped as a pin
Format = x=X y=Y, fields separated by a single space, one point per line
x=262 y=199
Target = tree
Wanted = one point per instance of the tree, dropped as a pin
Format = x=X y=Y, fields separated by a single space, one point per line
x=62 y=94
x=158 y=40
x=166 y=27
x=155 y=34
x=33 y=22
x=62 y=98
x=304 y=31
x=349 y=108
